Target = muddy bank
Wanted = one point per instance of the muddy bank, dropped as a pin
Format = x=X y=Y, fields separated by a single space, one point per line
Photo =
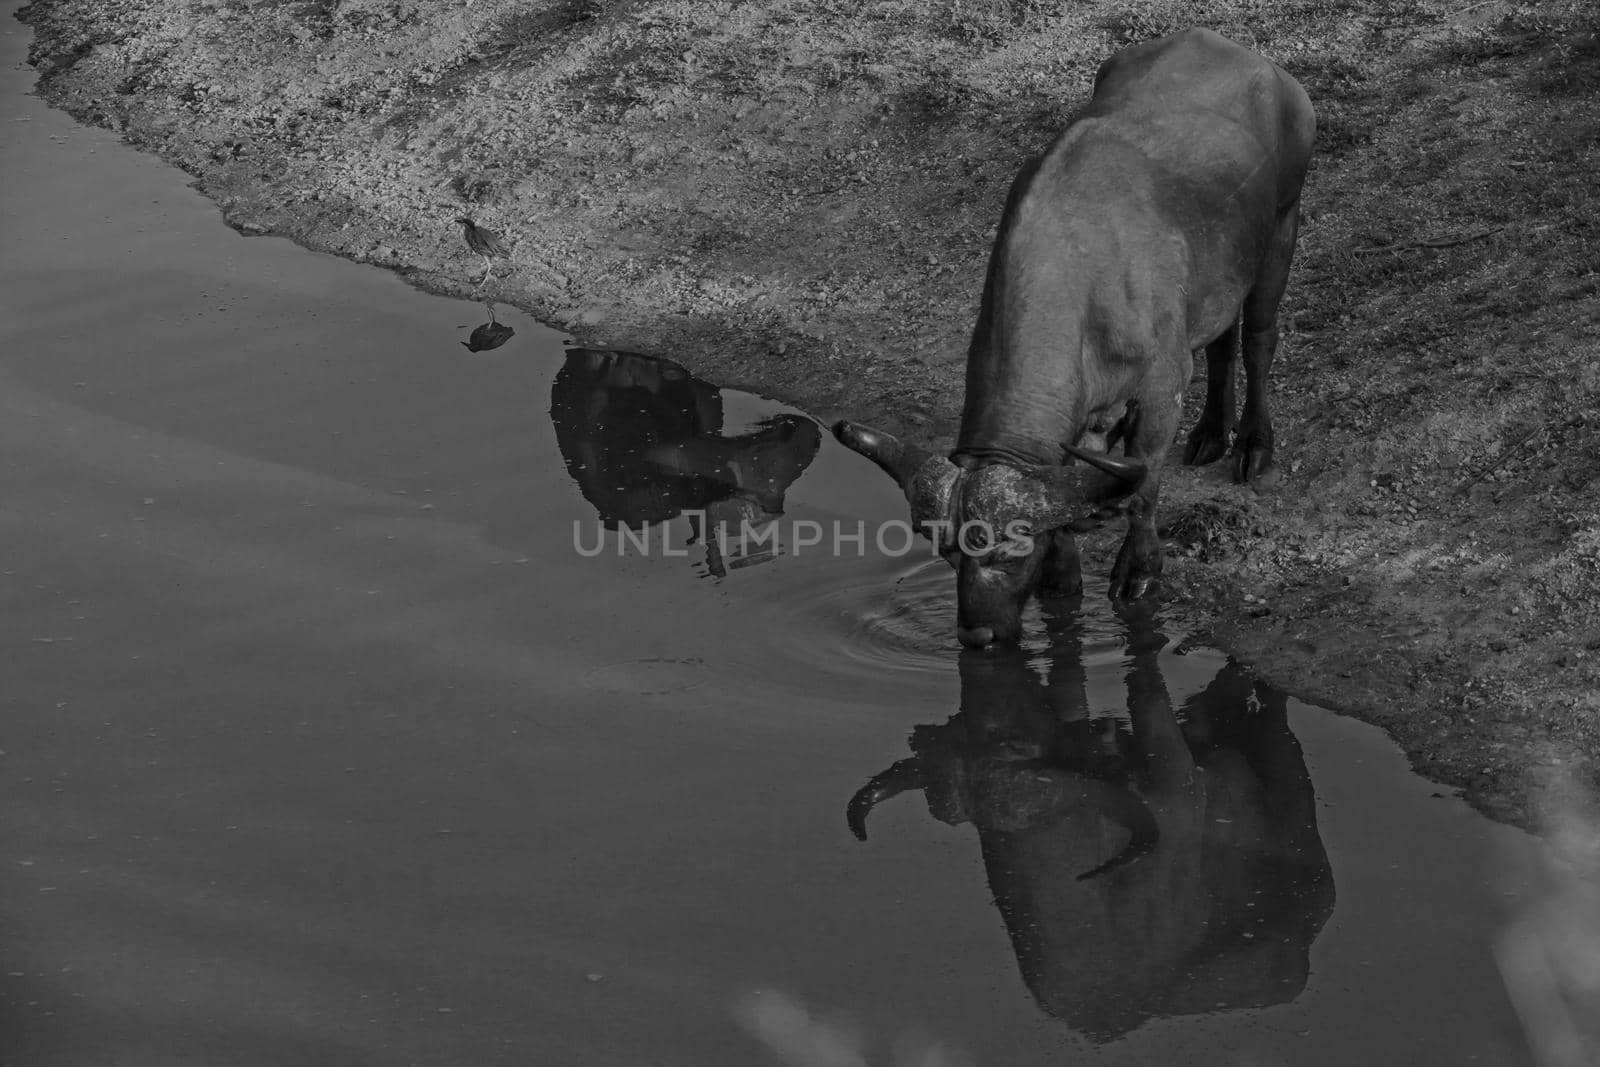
x=797 y=198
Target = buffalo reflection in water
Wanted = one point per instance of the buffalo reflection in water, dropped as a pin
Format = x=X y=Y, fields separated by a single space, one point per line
x=643 y=439
x=1165 y=864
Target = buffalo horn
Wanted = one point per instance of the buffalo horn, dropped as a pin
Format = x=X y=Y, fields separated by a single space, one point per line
x=926 y=480
x=904 y=775
x=1129 y=470
x=899 y=460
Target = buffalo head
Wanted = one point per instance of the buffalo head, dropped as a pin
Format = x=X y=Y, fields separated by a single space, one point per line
x=998 y=524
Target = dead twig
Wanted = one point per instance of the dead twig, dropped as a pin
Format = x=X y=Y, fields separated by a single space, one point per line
x=1458 y=239
x=1445 y=241
x=1515 y=451
x=1470 y=7
x=1506 y=456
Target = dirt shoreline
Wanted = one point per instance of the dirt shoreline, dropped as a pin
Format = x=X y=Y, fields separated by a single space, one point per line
x=797 y=199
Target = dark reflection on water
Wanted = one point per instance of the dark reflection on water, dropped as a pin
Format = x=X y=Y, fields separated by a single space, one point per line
x=488 y=335
x=1166 y=863
x=643 y=439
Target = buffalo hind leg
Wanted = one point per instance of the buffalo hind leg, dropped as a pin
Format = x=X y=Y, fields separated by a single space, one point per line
x=1208 y=441
x=1252 y=447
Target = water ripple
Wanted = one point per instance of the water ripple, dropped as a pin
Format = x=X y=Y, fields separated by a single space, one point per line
x=903 y=629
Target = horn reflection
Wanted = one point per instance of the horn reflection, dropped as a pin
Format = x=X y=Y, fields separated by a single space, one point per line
x=1165 y=863
x=643 y=439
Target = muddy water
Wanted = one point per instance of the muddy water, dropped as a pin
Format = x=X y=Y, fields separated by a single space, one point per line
x=325 y=743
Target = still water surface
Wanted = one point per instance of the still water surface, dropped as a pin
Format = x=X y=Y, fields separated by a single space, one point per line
x=323 y=744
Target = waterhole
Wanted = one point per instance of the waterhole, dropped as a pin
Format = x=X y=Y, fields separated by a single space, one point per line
x=324 y=745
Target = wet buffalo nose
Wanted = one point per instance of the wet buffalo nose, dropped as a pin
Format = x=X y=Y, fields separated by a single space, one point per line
x=977 y=637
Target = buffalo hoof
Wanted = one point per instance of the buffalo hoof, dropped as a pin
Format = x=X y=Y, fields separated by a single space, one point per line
x=1207 y=443
x=1132 y=581
x=1138 y=566
x=1252 y=462
x=1131 y=587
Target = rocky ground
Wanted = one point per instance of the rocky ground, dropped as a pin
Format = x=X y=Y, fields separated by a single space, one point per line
x=797 y=197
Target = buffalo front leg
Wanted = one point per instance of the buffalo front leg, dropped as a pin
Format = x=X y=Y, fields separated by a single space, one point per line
x=1139 y=560
x=1062 y=575
x=1208 y=441
x=1253 y=446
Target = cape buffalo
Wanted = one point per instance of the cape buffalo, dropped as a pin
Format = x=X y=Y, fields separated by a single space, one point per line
x=1168 y=864
x=1160 y=222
